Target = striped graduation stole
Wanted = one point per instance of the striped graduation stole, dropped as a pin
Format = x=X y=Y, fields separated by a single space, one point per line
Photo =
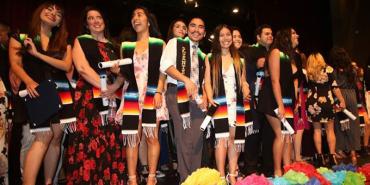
x=89 y=45
x=361 y=112
x=220 y=118
x=249 y=119
x=183 y=64
x=131 y=110
x=67 y=114
x=240 y=128
x=288 y=107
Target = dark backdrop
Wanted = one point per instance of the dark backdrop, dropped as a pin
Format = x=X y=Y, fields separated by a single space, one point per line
x=320 y=23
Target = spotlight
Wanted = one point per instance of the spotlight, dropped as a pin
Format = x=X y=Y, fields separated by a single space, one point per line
x=236 y=10
x=211 y=37
x=193 y=3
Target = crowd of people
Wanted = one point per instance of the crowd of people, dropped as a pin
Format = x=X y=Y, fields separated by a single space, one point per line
x=260 y=98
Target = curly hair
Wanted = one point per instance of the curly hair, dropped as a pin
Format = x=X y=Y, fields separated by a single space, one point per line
x=341 y=60
x=315 y=65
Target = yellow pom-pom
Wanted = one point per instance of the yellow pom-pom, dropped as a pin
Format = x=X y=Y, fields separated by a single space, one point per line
x=204 y=176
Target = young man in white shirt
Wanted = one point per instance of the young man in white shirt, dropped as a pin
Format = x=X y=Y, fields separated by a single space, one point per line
x=183 y=62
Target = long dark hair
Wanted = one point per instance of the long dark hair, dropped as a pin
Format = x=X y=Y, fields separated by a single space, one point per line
x=85 y=29
x=170 y=28
x=340 y=59
x=153 y=28
x=216 y=60
x=283 y=42
x=58 y=39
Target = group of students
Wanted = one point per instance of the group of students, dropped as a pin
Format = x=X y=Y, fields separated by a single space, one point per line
x=247 y=90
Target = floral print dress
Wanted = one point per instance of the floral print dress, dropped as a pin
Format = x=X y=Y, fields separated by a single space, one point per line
x=320 y=100
x=141 y=62
x=95 y=151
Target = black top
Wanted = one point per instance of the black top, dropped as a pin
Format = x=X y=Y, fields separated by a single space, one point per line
x=37 y=69
x=267 y=102
x=343 y=81
x=253 y=53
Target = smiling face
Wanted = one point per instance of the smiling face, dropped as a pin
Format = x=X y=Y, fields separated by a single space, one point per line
x=95 y=21
x=265 y=38
x=237 y=39
x=51 y=16
x=179 y=29
x=139 y=21
x=225 y=38
x=196 y=29
x=294 y=38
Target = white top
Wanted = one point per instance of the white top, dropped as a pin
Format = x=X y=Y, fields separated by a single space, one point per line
x=169 y=57
x=230 y=91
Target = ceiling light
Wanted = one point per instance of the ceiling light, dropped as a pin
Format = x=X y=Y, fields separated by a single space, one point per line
x=236 y=10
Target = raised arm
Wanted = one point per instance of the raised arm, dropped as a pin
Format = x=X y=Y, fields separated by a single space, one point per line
x=64 y=64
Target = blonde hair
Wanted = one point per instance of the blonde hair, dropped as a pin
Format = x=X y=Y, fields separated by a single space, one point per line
x=315 y=66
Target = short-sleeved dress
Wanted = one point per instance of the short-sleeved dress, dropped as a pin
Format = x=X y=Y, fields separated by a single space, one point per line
x=267 y=103
x=320 y=100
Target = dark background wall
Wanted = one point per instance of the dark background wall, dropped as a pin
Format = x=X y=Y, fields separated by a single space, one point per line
x=320 y=23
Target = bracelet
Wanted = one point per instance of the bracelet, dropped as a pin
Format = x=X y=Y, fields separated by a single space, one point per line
x=158 y=92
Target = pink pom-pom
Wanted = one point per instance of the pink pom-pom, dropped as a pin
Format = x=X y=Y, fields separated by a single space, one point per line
x=254 y=180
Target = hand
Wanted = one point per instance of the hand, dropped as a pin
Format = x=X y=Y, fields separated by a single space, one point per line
x=342 y=105
x=157 y=100
x=31 y=48
x=109 y=93
x=281 y=112
x=191 y=88
x=212 y=102
x=31 y=89
x=246 y=92
x=115 y=68
x=204 y=103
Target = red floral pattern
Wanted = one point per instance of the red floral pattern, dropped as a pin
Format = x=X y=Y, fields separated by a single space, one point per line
x=95 y=154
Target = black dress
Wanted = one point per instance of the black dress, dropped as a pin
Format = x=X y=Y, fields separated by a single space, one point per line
x=40 y=71
x=320 y=100
x=95 y=151
x=267 y=103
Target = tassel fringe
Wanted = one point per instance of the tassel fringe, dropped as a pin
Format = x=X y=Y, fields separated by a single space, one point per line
x=239 y=147
x=218 y=141
x=186 y=120
x=131 y=140
x=149 y=131
x=250 y=131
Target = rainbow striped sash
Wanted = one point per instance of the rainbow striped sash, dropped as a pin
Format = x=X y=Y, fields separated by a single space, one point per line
x=131 y=109
x=220 y=119
x=183 y=64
